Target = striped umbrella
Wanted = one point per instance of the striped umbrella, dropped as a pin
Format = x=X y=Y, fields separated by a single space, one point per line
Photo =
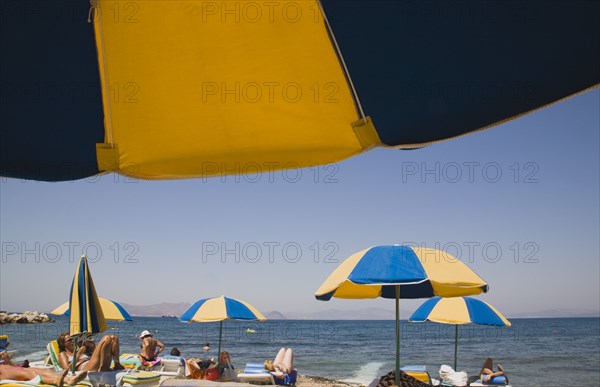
x=86 y=316
x=459 y=311
x=112 y=310
x=220 y=309
x=400 y=272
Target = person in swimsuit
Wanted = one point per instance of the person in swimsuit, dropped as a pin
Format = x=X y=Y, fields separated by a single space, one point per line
x=45 y=375
x=283 y=363
x=150 y=345
x=488 y=371
x=106 y=350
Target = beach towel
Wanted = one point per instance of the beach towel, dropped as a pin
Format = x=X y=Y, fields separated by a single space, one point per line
x=406 y=380
x=451 y=377
x=148 y=364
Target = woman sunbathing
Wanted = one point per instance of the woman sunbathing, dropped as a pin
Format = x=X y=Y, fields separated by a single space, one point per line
x=283 y=363
x=45 y=375
x=489 y=374
x=106 y=350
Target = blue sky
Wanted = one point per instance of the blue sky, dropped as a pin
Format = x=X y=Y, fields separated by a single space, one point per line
x=518 y=203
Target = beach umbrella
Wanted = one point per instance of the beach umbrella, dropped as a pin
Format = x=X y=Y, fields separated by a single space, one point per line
x=86 y=316
x=112 y=310
x=200 y=89
x=400 y=272
x=459 y=311
x=220 y=309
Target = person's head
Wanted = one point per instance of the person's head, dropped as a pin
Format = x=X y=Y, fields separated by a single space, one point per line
x=206 y=347
x=175 y=352
x=89 y=345
x=269 y=365
x=64 y=340
x=145 y=334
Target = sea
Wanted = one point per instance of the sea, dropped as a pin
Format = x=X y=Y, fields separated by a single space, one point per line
x=534 y=352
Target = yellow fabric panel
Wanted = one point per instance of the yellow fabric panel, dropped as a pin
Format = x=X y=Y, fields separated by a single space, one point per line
x=443 y=269
x=110 y=311
x=107 y=157
x=61 y=309
x=212 y=310
x=504 y=319
x=339 y=280
x=197 y=88
x=350 y=290
x=450 y=311
x=366 y=132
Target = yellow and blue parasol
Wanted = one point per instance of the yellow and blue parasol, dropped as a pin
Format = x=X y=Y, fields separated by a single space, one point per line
x=86 y=316
x=199 y=89
x=220 y=309
x=459 y=311
x=400 y=272
x=112 y=310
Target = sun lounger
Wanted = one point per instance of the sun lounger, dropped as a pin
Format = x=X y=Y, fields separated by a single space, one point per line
x=255 y=373
x=52 y=358
x=172 y=366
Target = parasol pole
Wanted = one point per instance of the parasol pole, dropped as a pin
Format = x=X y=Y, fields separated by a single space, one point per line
x=74 y=364
x=397 y=335
x=455 y=346
x=220 y=334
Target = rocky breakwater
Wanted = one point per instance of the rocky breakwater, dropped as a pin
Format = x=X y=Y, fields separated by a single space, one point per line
x=24 y=318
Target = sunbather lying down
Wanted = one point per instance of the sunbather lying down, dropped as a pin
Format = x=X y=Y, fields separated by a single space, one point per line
x=283 y=363
x=198 y=367
x=487 y=370
x=46 y=375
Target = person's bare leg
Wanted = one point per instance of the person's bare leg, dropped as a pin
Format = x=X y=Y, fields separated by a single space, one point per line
x=75 y=379
x=279 y=357
x=288 y=360
x=100 y=359
x=488 y=372
x=106 y=355
x=25 y=374
x=17 y=373
x=116 y=352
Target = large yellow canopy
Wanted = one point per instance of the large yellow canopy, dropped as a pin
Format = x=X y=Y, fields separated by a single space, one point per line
x=262 y=89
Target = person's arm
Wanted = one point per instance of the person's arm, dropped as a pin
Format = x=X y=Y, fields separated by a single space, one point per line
x=6 y=358
x=161 y=347
x=493 y=375
x=63 y=360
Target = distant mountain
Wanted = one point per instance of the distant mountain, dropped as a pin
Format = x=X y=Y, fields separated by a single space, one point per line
x=157 y=310
x=275 y=315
